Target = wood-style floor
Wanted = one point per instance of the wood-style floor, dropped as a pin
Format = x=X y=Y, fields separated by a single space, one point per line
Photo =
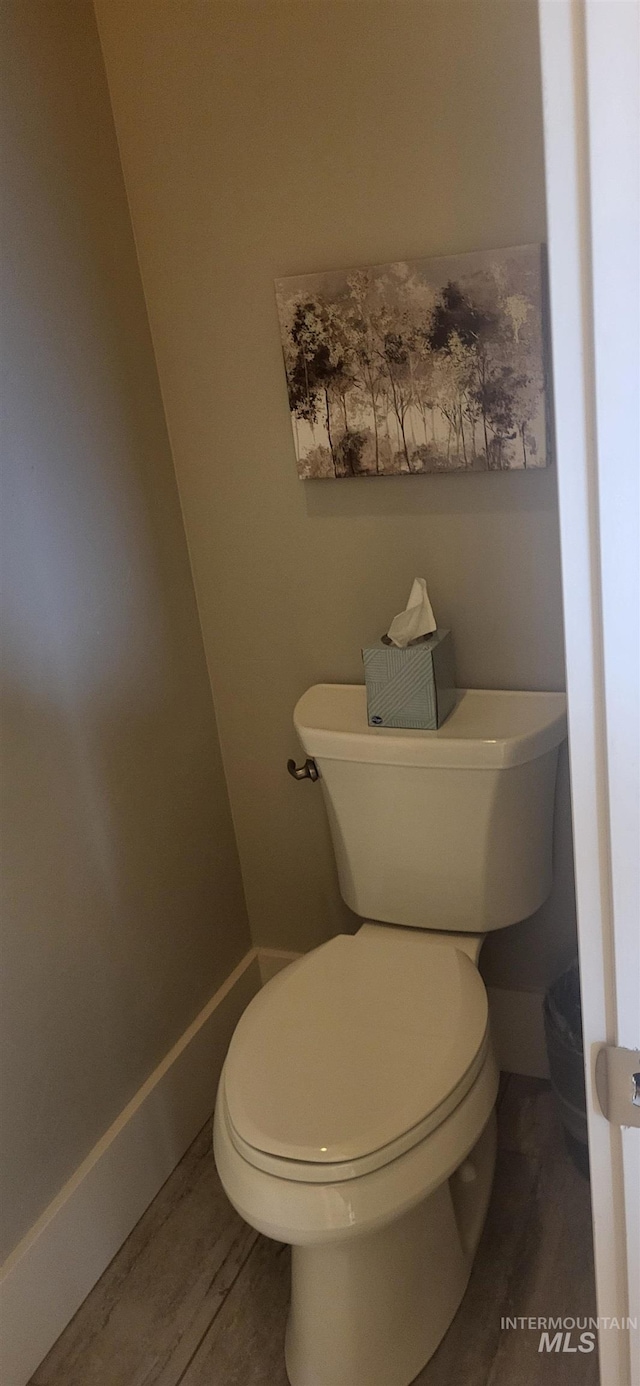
x=195 y=1298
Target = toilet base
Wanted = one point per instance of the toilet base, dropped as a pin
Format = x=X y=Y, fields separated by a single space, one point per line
x=371 y=1310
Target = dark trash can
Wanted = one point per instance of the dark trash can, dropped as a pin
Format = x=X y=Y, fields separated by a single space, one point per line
x=563 y=1033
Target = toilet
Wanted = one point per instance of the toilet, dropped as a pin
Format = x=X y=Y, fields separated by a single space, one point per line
x=355 y=1113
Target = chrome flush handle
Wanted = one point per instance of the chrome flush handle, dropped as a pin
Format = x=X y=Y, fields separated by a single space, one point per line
x=308 y=771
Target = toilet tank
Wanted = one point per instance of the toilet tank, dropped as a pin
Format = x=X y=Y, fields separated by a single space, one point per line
x=449 y=829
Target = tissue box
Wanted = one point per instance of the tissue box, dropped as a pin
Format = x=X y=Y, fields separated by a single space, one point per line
x=414 y=687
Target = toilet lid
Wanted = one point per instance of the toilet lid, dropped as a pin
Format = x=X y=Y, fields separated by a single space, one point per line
x=352 y=1046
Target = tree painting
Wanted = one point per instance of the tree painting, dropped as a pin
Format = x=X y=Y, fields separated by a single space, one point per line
x=420 y=366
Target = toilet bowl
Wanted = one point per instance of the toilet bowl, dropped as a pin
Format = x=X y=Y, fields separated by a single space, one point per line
x=354 y=1121
x=355 y=1111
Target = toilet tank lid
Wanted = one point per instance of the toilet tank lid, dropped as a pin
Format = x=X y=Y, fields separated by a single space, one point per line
x=488 y=729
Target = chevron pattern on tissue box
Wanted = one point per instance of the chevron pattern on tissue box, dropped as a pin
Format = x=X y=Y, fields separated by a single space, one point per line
x=411 y=688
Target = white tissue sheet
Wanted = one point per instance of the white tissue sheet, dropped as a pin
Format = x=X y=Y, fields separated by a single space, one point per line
x=417 y=619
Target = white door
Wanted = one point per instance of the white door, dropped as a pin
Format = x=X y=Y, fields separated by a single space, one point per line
x=590 y=75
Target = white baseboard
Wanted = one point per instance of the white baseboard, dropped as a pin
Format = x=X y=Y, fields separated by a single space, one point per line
x=517 y=1029
x=272 y=960
x=51 y=1272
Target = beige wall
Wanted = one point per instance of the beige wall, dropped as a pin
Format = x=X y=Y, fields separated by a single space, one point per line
x=124 y=905
x=273 y=137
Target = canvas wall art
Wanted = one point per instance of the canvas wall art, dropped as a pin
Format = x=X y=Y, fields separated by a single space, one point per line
x=419 y=366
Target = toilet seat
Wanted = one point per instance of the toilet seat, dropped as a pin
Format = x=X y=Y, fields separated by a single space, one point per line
x=354 y=1054
x=308 y=1172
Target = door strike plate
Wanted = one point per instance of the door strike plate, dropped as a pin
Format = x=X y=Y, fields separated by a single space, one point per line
x=618 y=1084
